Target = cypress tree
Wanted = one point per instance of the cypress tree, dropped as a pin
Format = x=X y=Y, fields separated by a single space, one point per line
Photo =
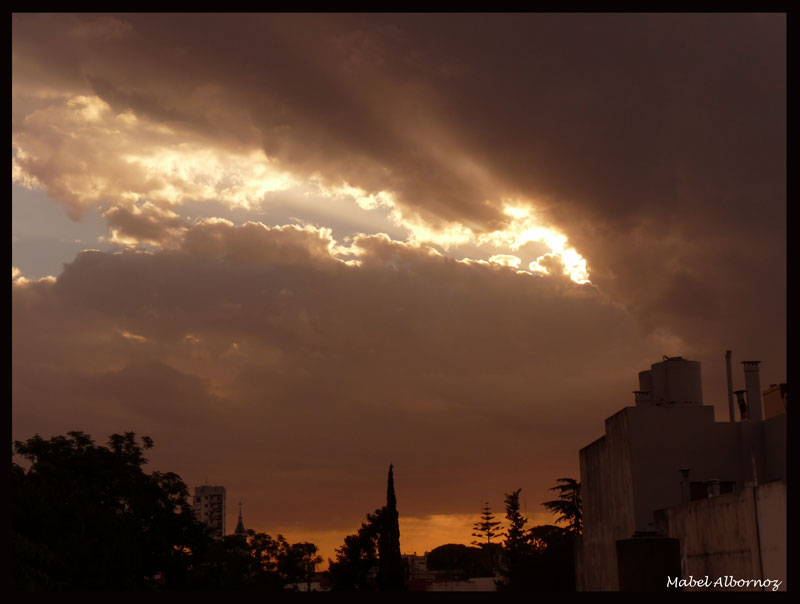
x=391 y=571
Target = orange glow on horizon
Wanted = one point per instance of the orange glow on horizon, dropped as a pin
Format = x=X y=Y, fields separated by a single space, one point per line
x=417 y=535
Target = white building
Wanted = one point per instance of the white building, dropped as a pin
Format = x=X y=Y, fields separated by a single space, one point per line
x=209 y=506
x=665 y=452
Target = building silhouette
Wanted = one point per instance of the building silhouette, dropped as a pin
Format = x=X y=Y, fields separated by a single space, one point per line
x=774 y=400
x=240 y=531
x=209 y=507
x=668 y=490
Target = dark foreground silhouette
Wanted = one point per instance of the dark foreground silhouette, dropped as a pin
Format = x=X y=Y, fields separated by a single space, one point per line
x=88 y=517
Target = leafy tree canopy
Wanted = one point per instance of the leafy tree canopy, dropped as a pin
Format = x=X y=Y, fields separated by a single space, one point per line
x=259 y=562
x=86 y=516
x=568 y=505
x=355 y=567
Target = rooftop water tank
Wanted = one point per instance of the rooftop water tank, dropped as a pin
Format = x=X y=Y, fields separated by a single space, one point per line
x=676 y=380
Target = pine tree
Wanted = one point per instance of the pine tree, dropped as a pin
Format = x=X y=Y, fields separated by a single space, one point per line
x=391 y=572
x=515 y=535
x=518 y=552
x=485 y=528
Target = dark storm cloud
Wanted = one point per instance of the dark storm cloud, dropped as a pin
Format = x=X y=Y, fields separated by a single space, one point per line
x=612 y=111
x=655 y=142
x=641 y=136
x=252 y=350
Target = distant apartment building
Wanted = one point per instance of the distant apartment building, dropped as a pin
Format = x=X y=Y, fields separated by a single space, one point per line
x=209 y=506
x=647 y=484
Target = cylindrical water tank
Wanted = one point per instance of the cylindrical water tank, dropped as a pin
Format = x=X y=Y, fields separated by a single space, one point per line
x=676 y=380
x=752 y=382
x=646 y=380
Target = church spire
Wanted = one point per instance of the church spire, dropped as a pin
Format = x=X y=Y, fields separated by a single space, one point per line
x=240 y=530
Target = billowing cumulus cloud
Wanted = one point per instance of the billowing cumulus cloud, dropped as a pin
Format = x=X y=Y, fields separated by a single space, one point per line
x=257 y=358
x=494 y=218
x=85 y=154
x=635 y=134
x=143 y=223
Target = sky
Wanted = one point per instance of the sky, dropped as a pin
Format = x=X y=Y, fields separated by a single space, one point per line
x=294 y=249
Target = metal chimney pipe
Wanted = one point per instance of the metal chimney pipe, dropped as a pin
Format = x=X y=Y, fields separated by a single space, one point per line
x=752 y=382
x=730 y=385
x=742 y=404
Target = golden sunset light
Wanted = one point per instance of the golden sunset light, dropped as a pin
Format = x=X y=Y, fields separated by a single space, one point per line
x=383 y=285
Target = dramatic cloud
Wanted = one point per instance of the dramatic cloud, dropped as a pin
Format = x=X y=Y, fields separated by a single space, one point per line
x=446 y=241
x=130 y=159
x=257 y=358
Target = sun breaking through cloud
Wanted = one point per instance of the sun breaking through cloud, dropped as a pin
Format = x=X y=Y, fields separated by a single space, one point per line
x=450 y=240
x=145 y=170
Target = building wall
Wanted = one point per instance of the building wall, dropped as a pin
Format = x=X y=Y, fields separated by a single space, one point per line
x=607 y=499
x=774 y=399
x=664 y=440
x=652 y=453
x=646 y=561
x=720 y=536
x=771 y=502
x=774 y=439
x=634 y=470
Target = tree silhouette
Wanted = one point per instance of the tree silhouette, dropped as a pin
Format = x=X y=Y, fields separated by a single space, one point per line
x=391 y=571
x=297 y=563
x=256 y=562
x=460 y=561
x=370 y=559
x=88 y=517
x=236 y=563
x=515 y=535
x=555 y=558
x=485 y=527
x=354 y=567
x=568 y=505
x=518 y=553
